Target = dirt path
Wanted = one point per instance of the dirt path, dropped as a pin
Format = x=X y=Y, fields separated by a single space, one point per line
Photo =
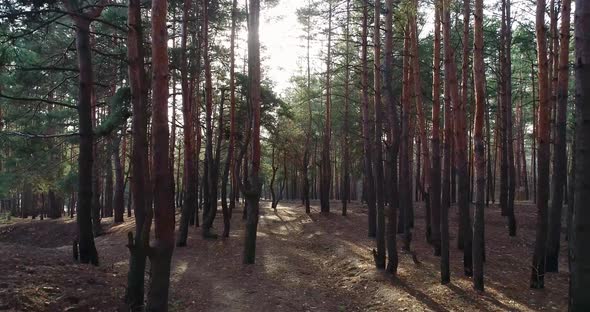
x=303 y=263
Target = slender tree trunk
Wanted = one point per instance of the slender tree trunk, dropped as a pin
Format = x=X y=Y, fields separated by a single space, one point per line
x=87 y=249
x=224 y=206
x=326 y=169
x=210 y=172
x=509 y=151
x=345 y=186
x=55 y=205
x=253 y=187
x=490 y=174
x=534 y=137
x=216 y=165
x=139 y=161
x=96 y=170
x=404 y=157
x=423 y=138
x=460 y=148
x=119 y=198
x=446 y=170
x=379 y=255
x=189 y=202
x=369 y=184
x=274 y=168
x=571 y=194
x=538 y=267
x=502 y=113
x=553 y=38
x=307 y=151
x=161 y=252
x=559 y=141
x=197 y=98
x=108 y=188
x=525 y=174
x=232 y=125
x=480 y=171
x=176 y=187
x=435 y=171
x=393 y=138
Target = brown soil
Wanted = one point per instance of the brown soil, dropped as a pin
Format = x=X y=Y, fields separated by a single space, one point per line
x=303 y=263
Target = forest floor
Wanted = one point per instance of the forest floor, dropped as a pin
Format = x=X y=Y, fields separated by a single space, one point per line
x=303 y=263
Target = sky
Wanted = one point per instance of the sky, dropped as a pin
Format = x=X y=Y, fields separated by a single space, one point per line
x=284 y=50
x=280 y=37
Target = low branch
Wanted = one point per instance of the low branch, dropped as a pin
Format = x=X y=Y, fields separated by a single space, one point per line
x=48 y=68
x=38 y=136
x=38 y=100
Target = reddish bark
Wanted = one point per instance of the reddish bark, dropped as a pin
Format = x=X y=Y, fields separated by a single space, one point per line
x=82 y=20
x=161 y=252
x=393 y=142
x=252 y=189
x=538 y=267
x=423 y=138
x=189 y=203
x=559 y=149
x=480 y=170
x=379 y=255
x=448 y=138
x=326 y=168
x=460 y=147
x=369 y=182
x=435 y=171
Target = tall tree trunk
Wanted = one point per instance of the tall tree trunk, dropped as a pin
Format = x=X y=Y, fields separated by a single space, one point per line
x=553 y=38
x=379 y=255
x=559 y=141
x=96 y=169
x=176 y=188
x=139 y=160
x=501 y=115
x=87 y=249
x=460 y=148
x=369 y=183
x=393 y=140
x=216 y=165
x=326 y=169
x=423 y=138
x=579 y=252
x=189 y=202
x=345 y=186
x=196 y=99
x=490 y=160
x=480 y=170
x=435 y=171
x=108 y=187
x=119 y=197
x=224 y=206
x=253 y=187
x=448 y=130
x=534 y=137
x=210 y=172
x=274 y=167
x=232 y=125
x=522 y=155
x=55 y=205
x=404 y=157
x=538 y=268
x=161 y=252
x=571 y=194
x=307 y=148
x=509 y=151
